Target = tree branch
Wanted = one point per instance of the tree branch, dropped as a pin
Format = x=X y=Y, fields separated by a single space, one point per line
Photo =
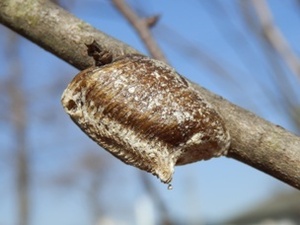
x=256 y=142
x=57 y=31
x=275 y=37
x=142 y=28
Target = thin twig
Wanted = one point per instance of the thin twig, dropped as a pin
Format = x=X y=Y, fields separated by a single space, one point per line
x=275 y=37
x=142 y=28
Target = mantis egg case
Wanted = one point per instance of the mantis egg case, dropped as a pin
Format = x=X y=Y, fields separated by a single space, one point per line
x=146 y=114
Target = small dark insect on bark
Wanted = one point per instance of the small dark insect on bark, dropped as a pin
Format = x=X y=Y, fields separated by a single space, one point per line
x=144 y=113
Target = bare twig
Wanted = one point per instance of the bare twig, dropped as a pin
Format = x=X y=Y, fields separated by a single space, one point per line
x=275 y=37
x=142 y=28
x=152 y=20
x=255 y=141
x=283 y=85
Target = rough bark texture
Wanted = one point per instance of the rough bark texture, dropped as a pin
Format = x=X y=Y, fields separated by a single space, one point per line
x=57 y=31
x=259 y=143
x=256 y=142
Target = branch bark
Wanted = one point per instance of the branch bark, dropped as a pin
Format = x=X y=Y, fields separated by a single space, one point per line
x=57 y=31
x=256 y=142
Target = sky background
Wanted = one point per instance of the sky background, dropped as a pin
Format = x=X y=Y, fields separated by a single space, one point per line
x=189 y=33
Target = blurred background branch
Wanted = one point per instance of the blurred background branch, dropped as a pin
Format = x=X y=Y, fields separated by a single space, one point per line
x=274 y=37
x=142 y=26
x=19 y=121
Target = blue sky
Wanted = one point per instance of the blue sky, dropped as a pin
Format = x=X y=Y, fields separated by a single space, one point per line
x=209 y=191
